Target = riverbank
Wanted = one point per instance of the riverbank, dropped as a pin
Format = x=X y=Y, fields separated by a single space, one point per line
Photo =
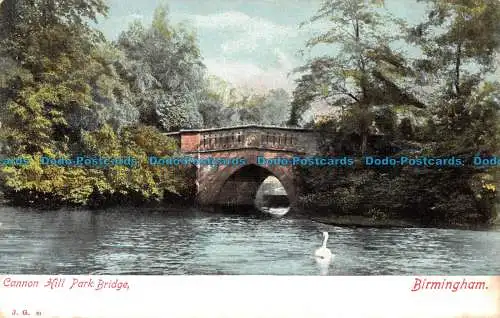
x=361 y=221
x=366 y=222
x=356 y=221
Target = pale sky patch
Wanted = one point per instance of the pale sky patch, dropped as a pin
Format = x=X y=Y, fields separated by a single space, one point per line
x=251 y=34
x=245 y=33
x=252 y=76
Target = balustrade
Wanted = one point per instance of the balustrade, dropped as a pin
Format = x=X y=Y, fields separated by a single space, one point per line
x=237 y=139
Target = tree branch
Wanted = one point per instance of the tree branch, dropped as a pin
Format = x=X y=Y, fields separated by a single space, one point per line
x=457 y=67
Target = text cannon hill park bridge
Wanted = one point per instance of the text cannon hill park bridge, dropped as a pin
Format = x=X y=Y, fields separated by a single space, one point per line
x=237 y=185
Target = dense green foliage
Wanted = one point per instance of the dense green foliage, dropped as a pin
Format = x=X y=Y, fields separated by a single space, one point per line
x=163 y=63
x=65 y=91
x=356 y=78
x=224 y=105
x=440 y=103
x=436 y=197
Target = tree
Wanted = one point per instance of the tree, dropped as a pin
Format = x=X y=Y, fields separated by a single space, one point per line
x=34 y=21
x=355 y=79
x=224 y=105
x=215 y=104
x=46 y=49
x=276 y=107
x=166 y=72
x=216 y=114
x=65 y=91
x=111 y=92
x=459 y=41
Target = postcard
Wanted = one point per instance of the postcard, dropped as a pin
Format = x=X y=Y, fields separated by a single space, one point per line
x=264 y=158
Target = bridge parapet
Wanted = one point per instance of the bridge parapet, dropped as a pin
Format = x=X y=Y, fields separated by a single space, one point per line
x=293 y=140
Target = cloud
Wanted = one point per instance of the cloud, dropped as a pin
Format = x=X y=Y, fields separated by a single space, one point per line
x=133 y=17
x=284 y=60
x=114 y=25
x=220 y=20
x=250 y=75
x=232 y=70
x=242 y=34
x=249 y=33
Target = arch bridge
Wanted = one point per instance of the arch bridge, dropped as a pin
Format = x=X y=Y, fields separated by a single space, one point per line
x=237 y=184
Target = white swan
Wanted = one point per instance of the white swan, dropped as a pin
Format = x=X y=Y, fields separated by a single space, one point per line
x=323 y=254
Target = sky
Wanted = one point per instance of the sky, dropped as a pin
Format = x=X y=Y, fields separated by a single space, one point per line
x=250 y=43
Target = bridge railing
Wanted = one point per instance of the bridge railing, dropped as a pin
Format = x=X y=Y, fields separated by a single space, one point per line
x=247 y=139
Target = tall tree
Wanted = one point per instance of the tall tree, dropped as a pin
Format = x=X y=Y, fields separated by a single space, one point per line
x=459 y=41
x=46 y=48
x=224 y=105
x=166 y=71
x=65 y=91
x=354 y=78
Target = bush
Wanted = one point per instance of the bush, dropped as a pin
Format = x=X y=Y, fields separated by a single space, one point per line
x=35 y=185
x=428 y=196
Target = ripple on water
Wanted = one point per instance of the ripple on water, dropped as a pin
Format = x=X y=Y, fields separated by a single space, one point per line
x=128 y=242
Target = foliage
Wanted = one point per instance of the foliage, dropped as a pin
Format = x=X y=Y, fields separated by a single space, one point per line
x=165 y=69
x=440 y=103
x=49 y=55
x=64 y=91
x=81 y=185
x=140 y=143
x=359 y=77
x=459 y=40
x=436 y=197
x=224 y=105
x=276 y=107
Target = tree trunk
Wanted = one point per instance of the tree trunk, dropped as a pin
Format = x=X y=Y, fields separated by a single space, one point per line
x=364 y=142
x=8 y=16
x=458 y=62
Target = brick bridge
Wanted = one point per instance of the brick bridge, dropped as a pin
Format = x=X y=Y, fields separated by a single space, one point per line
x=237 y=185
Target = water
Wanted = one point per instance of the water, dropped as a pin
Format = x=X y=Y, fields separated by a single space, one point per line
x=192 y=242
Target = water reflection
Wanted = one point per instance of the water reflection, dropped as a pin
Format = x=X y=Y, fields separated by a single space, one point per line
x=323 y=269
x=278 y=212
x=193 y=242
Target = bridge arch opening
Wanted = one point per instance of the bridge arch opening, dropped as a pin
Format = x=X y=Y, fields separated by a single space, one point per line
x=256 y=187
x=272 y=197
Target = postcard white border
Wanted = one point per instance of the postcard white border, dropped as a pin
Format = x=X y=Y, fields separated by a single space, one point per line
x=249 y=296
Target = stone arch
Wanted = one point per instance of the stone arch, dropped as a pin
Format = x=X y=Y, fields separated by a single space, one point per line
x=232 y=181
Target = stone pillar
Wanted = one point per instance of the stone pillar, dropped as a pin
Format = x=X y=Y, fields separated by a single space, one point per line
x=190 y=141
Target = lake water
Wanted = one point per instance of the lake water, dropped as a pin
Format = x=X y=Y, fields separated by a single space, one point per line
x=131 y=241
